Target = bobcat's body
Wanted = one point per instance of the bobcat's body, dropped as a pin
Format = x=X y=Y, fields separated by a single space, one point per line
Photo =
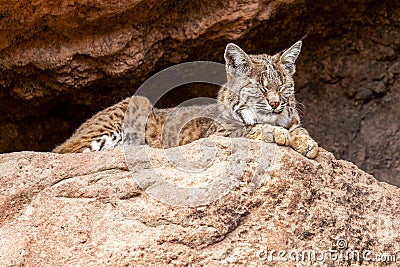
x=257 y=102
x=162 y=129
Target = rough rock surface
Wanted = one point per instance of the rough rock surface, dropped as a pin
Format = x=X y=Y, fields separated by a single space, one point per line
x=87 y=210
x=61 y=61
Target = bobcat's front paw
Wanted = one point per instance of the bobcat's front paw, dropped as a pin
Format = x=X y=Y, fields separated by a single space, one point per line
x=257 y=132
x=305 y=145
x=269 y=134
x=281 y=136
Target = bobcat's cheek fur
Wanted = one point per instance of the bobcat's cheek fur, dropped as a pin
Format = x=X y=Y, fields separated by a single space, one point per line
x=257 y=102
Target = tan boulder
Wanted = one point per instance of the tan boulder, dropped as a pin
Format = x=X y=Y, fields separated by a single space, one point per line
x=88 y=210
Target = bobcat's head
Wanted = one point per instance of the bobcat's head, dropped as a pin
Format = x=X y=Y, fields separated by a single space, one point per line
x=260 y=88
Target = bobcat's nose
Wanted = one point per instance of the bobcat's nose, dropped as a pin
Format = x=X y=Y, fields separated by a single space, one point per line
x=273 y=104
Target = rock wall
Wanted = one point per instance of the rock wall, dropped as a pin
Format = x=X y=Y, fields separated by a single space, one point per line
x=87 y=210
x=62 y=61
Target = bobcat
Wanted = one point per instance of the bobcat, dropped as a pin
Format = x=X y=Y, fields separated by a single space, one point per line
x=256 y=102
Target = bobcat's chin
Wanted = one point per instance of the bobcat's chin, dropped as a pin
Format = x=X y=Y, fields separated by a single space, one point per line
x=278 y=111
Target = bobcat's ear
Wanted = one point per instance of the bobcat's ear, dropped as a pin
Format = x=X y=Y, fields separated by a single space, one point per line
x=289 y=57
x=237 y=62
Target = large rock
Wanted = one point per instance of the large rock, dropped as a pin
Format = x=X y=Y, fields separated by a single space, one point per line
x=87 y=210
x=62 y=61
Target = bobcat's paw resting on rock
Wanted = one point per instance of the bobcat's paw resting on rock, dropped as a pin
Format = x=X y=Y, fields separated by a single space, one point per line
x=270 y=134
x=297 y=139
x=281 y=136
x=305 y=145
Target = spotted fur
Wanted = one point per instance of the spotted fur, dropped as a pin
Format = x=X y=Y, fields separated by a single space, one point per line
x=102 y=131
x=256 y=102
